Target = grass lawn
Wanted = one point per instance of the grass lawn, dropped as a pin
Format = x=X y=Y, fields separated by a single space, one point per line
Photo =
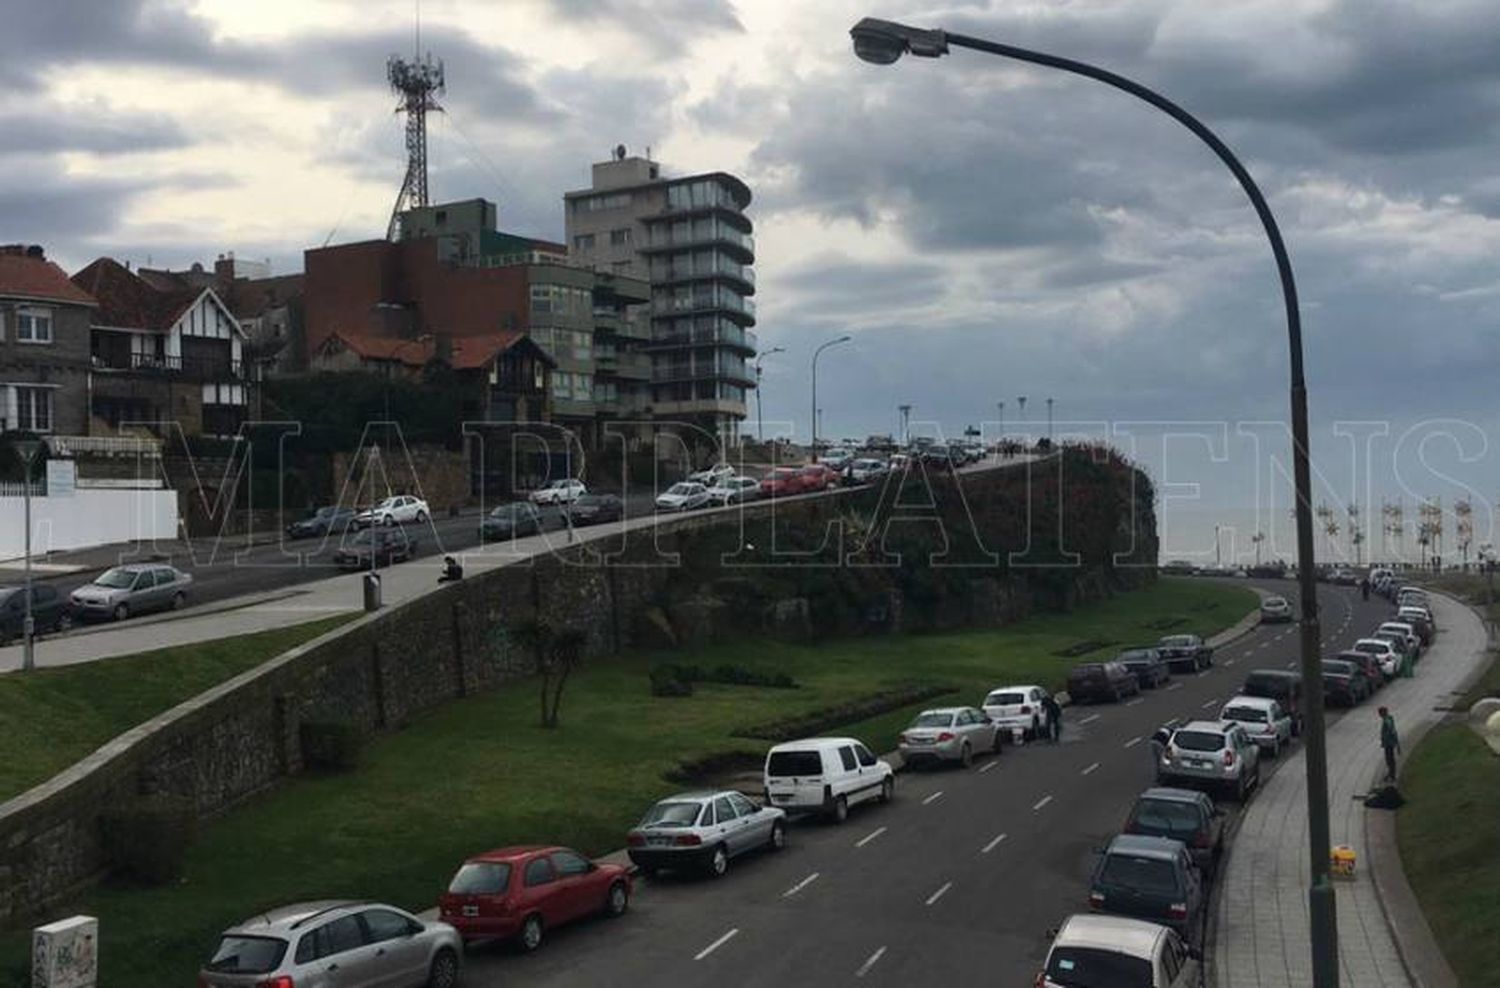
x=1450 y=847
x=54 y=717
x=480 y=773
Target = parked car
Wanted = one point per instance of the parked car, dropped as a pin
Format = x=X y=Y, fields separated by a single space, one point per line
x=702 y=831
x=1149 y=878
x=1146 y=665
x=1420 y=619
x=49 y=610
x=1091 y=682
x=1263 y=719
x=1405 y=632
x=324 y=521
x=399 y=510
x=137 y=588
x=836 y=459
x=301 y=944
x=1386 y=650
x=1111 y=951
x=782 y=482
x=818 y=477
x=559 y=492
x=1188 y=652
x=867 y=470
x=596 y=509
x=948 y=734
x=375 y=547
x=1014 y=708
x=1344 y=683
x=509 y=521
x=733 y=490
x=1373 y=666
x=1275 y=610
x=826 y=776
x=1215 y=753
x=683 y=496
x=711 y=476
x=1343 y=578
x=1181 y=814
x=522 y=892
x=1281 y=685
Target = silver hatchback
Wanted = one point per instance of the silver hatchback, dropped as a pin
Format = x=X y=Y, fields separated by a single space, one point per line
x=335 y=944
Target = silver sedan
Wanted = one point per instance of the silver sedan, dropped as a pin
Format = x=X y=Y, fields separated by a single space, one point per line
x=702 y=831
x=949 y=734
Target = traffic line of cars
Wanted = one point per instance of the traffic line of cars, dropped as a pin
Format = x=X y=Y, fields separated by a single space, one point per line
x=118 y=593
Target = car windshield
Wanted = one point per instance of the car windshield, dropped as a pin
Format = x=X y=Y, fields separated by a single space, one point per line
x=782 y=474
x=1275 y=602
x=933 y=720
x=785 y=763
x=1370 y=648
x=324 y=512
x=672 y=814
x=1094 y=967
x=1004 y=699
x=363 y=537
x=1141 y=874
x=1333 y=667
x=559 y=485
x=505 y=511
x=1165 y=818
x=1251 y=715
x=389 y=502
x=1177 y=641
x=1136 y=655
x=591 y=501
x=682 y=489
x=1198 y=740
x=117 y=578
x=481 y=878
x=247 y=955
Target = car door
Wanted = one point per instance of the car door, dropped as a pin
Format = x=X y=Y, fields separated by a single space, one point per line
x=400 y=959
x=576 y=885
x=159 y=595
x=1194 y=880
x=343 y=958
x=540 y=891
x=728 y=827
x=755 y=823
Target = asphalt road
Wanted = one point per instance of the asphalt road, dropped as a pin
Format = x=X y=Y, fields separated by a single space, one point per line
x=957 y=882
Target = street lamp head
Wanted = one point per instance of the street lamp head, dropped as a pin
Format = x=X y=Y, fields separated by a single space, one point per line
x=843 y=339
x=883 y=42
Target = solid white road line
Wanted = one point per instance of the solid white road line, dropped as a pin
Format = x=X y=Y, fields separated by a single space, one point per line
x=800 y=886
x=988 y=765
x=1042 y=802
x=936 y=795
x=1133 y=742
x=1089 y=769
x=716 y=945
x=1089 y=719
x=939 y=893
x=869 y=837
x=992 y=845
x=865 y=967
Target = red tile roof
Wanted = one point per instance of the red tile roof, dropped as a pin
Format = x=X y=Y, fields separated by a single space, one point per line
x=23 y=276
x=466 y=353
x=128 y=301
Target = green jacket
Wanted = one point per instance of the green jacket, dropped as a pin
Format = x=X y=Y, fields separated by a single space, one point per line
x=1388 y=736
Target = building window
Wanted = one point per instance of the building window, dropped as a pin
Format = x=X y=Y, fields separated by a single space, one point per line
x=442 y=217
x=34 y=326
x=583 y=241
x=620 y=237
x=34 y=409
x=541 y=298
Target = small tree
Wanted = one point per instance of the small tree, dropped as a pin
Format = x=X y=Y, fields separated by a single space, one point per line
x=554 y=654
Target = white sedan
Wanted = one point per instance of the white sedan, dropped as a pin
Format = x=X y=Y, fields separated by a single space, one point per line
x=684 y=496
x=397 y=510
x=559 y=492
x=733 y=490
x=713 y=475
x=1018 y=708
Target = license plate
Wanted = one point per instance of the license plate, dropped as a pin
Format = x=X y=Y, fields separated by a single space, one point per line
x=471 y=911
x=781 y=797
x=658 y=841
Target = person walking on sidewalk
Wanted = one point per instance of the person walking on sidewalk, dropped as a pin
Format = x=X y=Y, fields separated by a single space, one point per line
x=1054 y=717
x=1390 y=741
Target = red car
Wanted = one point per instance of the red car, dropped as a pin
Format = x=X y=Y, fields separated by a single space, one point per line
x=818 y=477
x=521 y=892
x=781 y=482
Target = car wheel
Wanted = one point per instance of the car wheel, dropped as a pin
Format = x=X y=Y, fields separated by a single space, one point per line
x=1276 y=748
x=966 y=756
x=388 y=521
x=531 y=933
x=718 y=862
x=64 y=622
x=178 y=599
x=444 y=970
x=121 y=612
x=421 y=517
x=617 y=901
x=778 y=836
x=996 y=744
x=1239 y=789
x=840 y=810
x=888 y=790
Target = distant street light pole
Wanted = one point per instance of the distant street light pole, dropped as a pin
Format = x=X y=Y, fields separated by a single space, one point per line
x=816 y=354
x=1049 y=420
x=760 y=423
x=28 y=448
x=883 y=42
x=1000 y=442
x=1021 y=401
x=1218 y=562
x=905 y=425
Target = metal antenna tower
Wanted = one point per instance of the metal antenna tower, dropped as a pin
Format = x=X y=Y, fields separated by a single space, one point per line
x=417 y=82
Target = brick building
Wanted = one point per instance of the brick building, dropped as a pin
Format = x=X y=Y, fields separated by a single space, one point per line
x=44 y=345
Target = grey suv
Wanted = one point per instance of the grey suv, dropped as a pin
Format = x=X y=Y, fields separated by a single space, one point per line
x=1214 y=753
x=335 y=944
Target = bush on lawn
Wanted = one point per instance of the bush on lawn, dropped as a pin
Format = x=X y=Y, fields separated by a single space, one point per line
x=677 y=679
x=667 y=680
x=149 y=843
x=333 y=746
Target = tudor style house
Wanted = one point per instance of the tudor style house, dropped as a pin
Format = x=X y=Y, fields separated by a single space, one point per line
x=164 y=354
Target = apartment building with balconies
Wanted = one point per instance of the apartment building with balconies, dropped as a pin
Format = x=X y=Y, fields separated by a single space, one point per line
x=690 y=239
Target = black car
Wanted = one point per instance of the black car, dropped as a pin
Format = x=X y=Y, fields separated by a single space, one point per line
x=1188 y=652
x=1146 y=665
x=1181 y=814
x=595 y=509
x=49 y=610
x=1094 y=681
x=510 y=521
x=1344 y=683
x=384 y=545
x=1280 y=685
x=324 y=521
x=1149 y=878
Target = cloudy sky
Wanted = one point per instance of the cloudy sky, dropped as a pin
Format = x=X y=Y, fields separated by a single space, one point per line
x=984 y=230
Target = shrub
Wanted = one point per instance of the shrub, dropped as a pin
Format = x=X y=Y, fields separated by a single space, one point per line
x=333 y=746
x=667 y=680
x=676 y=679
x=149 y=843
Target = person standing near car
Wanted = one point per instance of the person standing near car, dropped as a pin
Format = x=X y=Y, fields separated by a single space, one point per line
x=1054 y=717
x=1390 y=742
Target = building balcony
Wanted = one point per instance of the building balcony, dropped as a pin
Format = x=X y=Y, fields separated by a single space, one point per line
x=664 y=411
x=187 y=368
x=739 y=245
x=727 y=336
x=668 y=372
x=736 y=307
x=668 y=273
x=636 y=366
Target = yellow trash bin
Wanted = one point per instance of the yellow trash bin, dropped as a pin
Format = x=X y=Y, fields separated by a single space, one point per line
x=1342 y=861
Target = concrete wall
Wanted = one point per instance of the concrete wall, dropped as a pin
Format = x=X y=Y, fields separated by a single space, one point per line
x=86 y=518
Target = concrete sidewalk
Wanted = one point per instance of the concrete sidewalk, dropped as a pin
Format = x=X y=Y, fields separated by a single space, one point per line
x=1262 y=937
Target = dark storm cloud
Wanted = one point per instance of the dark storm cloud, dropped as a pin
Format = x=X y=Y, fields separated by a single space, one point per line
x=58 y=129
x=839 y=287
x=668 y=26
x=51 y=211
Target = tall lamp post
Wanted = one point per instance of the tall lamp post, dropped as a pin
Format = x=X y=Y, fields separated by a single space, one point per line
x=883 y=42
x=905 y=425
x=999 y=443
x=817 y=353
x=1021 y=402
x=1049 y=420
x=28 y=448
x=760 y=424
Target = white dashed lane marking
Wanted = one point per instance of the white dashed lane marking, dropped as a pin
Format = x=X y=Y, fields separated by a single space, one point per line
x=1089 y=719
x=865 y=967
x=1089 y=769
x=1133 y=742
x=800 y=886
x=715 y=945
x=939 y=893
x=869 y=837
x=936 y=795
x=1042 y=802
x=992 y=845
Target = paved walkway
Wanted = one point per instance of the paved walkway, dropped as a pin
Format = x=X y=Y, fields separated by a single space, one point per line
x=1262 y=939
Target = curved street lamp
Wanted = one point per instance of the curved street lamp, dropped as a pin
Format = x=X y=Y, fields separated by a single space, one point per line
x=760 y=423
x=816 y=354
x=883 y=42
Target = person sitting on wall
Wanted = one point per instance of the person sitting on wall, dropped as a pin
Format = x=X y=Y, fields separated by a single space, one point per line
x=452 y=571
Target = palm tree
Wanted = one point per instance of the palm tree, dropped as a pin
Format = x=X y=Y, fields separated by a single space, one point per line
x=1258 y=538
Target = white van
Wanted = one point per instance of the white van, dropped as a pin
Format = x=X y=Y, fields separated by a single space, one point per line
x=825 y=775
